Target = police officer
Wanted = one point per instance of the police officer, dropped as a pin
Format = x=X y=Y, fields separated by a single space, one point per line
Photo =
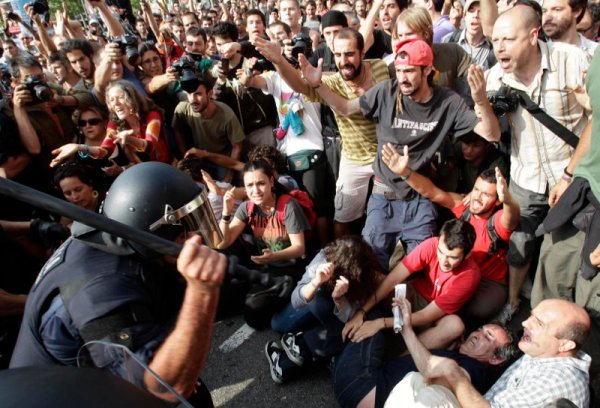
x=98 y=287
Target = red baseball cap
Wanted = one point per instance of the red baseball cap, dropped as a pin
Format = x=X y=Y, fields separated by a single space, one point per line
x=413 y=52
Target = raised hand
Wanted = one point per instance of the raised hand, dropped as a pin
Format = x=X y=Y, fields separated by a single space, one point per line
x=271 y=50
x=501 y=186
x=476 y=82
x=341 y=288
x=310 y=73
x=396 y=162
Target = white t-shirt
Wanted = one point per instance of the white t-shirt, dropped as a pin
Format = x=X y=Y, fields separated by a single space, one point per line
x=285 y=99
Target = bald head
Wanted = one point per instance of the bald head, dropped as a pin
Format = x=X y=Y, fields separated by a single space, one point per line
x=522 y=17
x=575 y=323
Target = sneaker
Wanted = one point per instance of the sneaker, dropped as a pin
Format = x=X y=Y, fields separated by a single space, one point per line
x=506 y=314
x=292 y=349
x=273 y=353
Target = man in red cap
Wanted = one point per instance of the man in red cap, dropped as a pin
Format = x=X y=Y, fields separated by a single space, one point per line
x=410 y=111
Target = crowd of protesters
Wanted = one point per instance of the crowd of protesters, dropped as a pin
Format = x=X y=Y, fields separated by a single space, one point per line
x=346 y=147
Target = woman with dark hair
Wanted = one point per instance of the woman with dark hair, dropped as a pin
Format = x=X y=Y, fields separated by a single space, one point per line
x=80 y=184
x=277 y=234
x=337 y=281
x=135 y=125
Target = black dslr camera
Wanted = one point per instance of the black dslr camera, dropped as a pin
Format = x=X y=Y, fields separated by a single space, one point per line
x=186 y=68
x=301 y=44
x=40 y=92
x=128 y=44
x=504 y=101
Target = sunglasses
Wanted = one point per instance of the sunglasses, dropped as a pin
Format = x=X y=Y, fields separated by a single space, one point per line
x=91 y=122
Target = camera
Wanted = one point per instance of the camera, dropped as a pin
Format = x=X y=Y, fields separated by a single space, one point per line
x=504 y=101
x=186 y=68
x=301 y=44
x=39 y=6
x=128 y=44
x=263 y=65
x=40 y=92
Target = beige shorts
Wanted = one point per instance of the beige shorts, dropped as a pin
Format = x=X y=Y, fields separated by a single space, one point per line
x=351 y=190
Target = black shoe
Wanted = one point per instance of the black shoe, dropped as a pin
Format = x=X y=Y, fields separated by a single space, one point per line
x=273 y=353
x=292 y=347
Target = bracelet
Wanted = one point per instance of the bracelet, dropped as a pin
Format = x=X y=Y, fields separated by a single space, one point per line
x=226 y=218
x=567 y=173
x=86 y=153
x=566 y=178
x=404 y=178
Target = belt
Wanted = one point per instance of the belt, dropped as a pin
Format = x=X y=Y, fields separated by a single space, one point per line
x=390 y=194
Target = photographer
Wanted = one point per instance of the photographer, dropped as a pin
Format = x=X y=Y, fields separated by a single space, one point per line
x=43 y=112
x=255 y=110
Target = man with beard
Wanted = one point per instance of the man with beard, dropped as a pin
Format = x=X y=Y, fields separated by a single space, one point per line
x=493 y=226
x=409 y=111
x=80 y=54
x=353 y=79
x=559 y=22
x=206 y=124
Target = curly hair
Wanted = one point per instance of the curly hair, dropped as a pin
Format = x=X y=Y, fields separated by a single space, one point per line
x=271 y=155
x=355 y=260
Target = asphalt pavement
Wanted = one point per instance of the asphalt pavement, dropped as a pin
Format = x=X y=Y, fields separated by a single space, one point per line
x=237 y=372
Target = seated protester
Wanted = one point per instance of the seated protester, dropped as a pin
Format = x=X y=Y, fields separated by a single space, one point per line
x=135 y=126
x=337 y=281
x=255 y=110
x=553 y=367
x=277 y=234
x=444 y=278
x=483 y=212
x=480 y=354
x=474 y=155
x=299 y=137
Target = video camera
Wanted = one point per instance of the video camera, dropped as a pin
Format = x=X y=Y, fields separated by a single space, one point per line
x=504 y=101
x=40 y=92
x=128 y=44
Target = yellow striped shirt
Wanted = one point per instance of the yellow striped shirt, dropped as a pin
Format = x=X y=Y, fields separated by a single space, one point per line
x=359 y=138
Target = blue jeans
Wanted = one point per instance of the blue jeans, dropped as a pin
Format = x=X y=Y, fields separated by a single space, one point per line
x=389 y=221
x=355 y=369
x=291 y=320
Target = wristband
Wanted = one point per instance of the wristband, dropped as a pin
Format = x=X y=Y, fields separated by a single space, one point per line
x=226 y=218
x=570 y=175
x=566 y=177
x=404 y=178
x=86 y=153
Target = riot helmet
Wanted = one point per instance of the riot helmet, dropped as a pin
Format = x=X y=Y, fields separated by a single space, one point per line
x=156 y=197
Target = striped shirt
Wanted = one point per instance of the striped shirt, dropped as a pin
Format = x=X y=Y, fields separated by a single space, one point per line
x=538 y=156
x=359 y=138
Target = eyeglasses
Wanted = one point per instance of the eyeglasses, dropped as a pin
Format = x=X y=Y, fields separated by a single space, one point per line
x=91 y=122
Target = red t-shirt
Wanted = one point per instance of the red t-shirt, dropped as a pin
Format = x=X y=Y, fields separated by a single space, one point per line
x=449 y=290
x=495 y=267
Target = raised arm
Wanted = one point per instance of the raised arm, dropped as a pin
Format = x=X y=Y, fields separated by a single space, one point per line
x=488 y=126
x=182 y=356
x=421 y=184
x=115 y=29
x=512 y=211
x=272 y=51
x=313 y=75
x=489 y=15
x=367 y=27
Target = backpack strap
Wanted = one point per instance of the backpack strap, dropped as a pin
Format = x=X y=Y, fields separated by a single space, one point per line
x=282 y=201
x=466 y=215
x=495 y=238
x=250 y=210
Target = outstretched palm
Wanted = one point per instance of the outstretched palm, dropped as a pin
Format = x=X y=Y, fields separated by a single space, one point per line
x=310 y=73
x=396 y=162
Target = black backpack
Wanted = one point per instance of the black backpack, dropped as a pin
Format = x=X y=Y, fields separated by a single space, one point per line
x=497 y=242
